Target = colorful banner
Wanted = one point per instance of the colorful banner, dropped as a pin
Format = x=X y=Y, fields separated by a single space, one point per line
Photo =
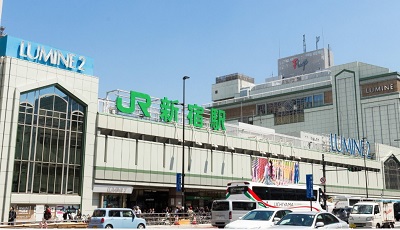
x=275 y=171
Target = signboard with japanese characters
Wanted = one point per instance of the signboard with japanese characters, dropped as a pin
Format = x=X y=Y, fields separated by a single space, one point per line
x=169 y=110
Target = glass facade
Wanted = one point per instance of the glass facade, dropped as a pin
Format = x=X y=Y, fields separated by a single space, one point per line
x=292 y=110
x=392 y=173
x=49 y=145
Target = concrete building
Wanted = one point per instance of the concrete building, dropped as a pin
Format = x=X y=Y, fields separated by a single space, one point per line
x=65 y=147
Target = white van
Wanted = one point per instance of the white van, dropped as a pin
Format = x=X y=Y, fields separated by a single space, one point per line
x=225 y=211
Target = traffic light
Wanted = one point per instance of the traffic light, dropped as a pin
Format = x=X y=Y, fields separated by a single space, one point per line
x=354 y=169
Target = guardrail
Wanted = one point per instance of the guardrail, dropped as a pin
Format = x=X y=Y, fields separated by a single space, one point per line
x=50 y=224
x=172 y=218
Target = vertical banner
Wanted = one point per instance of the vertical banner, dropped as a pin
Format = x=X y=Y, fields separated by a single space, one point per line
x=179 y=182
x=275 y=171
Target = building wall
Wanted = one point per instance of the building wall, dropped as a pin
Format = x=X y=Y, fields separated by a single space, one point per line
x=18 y=76
x=133 y=161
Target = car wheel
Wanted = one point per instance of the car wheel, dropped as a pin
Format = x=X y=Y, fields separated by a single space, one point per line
x=109 y=226
x=378 y=226
x=141 y=226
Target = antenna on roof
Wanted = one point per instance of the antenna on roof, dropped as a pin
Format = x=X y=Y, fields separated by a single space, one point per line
x=316 y=42
x=304 y=43
x=329 y=57
x=2 y=28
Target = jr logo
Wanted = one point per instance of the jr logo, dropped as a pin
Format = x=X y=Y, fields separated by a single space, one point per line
x=144 y=105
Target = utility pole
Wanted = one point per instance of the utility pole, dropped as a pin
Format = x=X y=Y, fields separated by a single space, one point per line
x=365 y=165
x=324 y=176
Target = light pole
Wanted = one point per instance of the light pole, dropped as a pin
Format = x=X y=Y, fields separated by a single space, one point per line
x=365 y=166
x=183 y=143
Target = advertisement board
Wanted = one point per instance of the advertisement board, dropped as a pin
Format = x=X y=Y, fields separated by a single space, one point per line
x=304 y=63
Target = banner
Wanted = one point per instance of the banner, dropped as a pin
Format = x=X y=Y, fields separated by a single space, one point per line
x=275 y=171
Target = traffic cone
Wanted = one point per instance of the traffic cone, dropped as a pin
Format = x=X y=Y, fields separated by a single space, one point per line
x=194 y=220
x=176 y=220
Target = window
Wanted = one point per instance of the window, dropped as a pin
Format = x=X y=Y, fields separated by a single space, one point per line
x=392 y=173
x=376 y=209
x=261 y=192
x=329 y=219
x=99 y=213
x=220 y=206
x=243 y=205
x=49 y=143
x=261 y=109
x=318 y=100
x=127 y=213
x=114 y=213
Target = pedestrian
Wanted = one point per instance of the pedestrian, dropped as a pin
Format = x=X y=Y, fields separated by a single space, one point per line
x=46 y=216
x=12 y=215
x=79 y=214
x=190 y=213
x=138 y=212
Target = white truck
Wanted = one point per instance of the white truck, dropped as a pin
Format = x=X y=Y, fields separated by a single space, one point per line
x=372 y=214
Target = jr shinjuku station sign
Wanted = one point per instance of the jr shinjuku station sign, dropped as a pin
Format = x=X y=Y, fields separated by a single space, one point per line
x=169 y=110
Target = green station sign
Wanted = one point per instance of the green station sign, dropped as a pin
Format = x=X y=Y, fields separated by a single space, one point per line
x=169 y=110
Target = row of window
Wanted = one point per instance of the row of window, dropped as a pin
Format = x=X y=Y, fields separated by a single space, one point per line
x=51 y=145
x=30 y=177
x=291 y=105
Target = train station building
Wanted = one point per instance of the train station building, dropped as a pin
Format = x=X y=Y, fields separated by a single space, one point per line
x=63 y=146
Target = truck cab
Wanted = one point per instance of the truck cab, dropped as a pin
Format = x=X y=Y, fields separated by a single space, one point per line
x=372 y=214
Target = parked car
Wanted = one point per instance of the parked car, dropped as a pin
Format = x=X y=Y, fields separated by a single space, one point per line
x=259 y=218
x=342 y=213
x=115 y=218
x=310 y=220
x=225 y=211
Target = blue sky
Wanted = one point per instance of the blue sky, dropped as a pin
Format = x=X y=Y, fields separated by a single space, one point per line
x=149 y=45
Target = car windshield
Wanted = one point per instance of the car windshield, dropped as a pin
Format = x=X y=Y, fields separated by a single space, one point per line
x=297 y=219
x=258 y=215
x=362 y=209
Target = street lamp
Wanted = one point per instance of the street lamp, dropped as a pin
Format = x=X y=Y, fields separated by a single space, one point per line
x=365 y=165
x=183 y=143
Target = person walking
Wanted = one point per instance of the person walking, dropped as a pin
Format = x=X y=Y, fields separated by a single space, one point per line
x=46 y=216
x=12 y=215
x=190 y=213
x=138 y=212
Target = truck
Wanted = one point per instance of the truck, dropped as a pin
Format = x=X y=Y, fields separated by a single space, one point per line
x=372 y=214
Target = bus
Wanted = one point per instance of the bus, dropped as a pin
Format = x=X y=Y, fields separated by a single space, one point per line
x=272 y=196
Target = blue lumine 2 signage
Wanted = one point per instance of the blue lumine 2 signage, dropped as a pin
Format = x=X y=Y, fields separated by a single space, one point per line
x=349 y=146
x=46 y=55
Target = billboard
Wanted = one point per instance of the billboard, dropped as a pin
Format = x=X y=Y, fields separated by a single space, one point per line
x=275 y=171
x=304 y=63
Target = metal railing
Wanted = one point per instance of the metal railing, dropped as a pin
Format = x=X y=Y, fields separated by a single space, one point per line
x=172 y=218
x=52 y=223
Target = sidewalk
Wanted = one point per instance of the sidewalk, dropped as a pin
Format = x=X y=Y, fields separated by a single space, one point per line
x=183 y=226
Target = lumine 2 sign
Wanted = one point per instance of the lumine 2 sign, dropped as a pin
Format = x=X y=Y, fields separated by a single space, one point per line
x=45 y=55
x=51 y=56
x=169 y=111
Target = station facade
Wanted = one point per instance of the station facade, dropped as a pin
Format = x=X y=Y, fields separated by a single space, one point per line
x=64 y=147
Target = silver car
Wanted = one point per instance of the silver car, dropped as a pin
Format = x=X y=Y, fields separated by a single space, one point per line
x=310 y=220
x=259 y=218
